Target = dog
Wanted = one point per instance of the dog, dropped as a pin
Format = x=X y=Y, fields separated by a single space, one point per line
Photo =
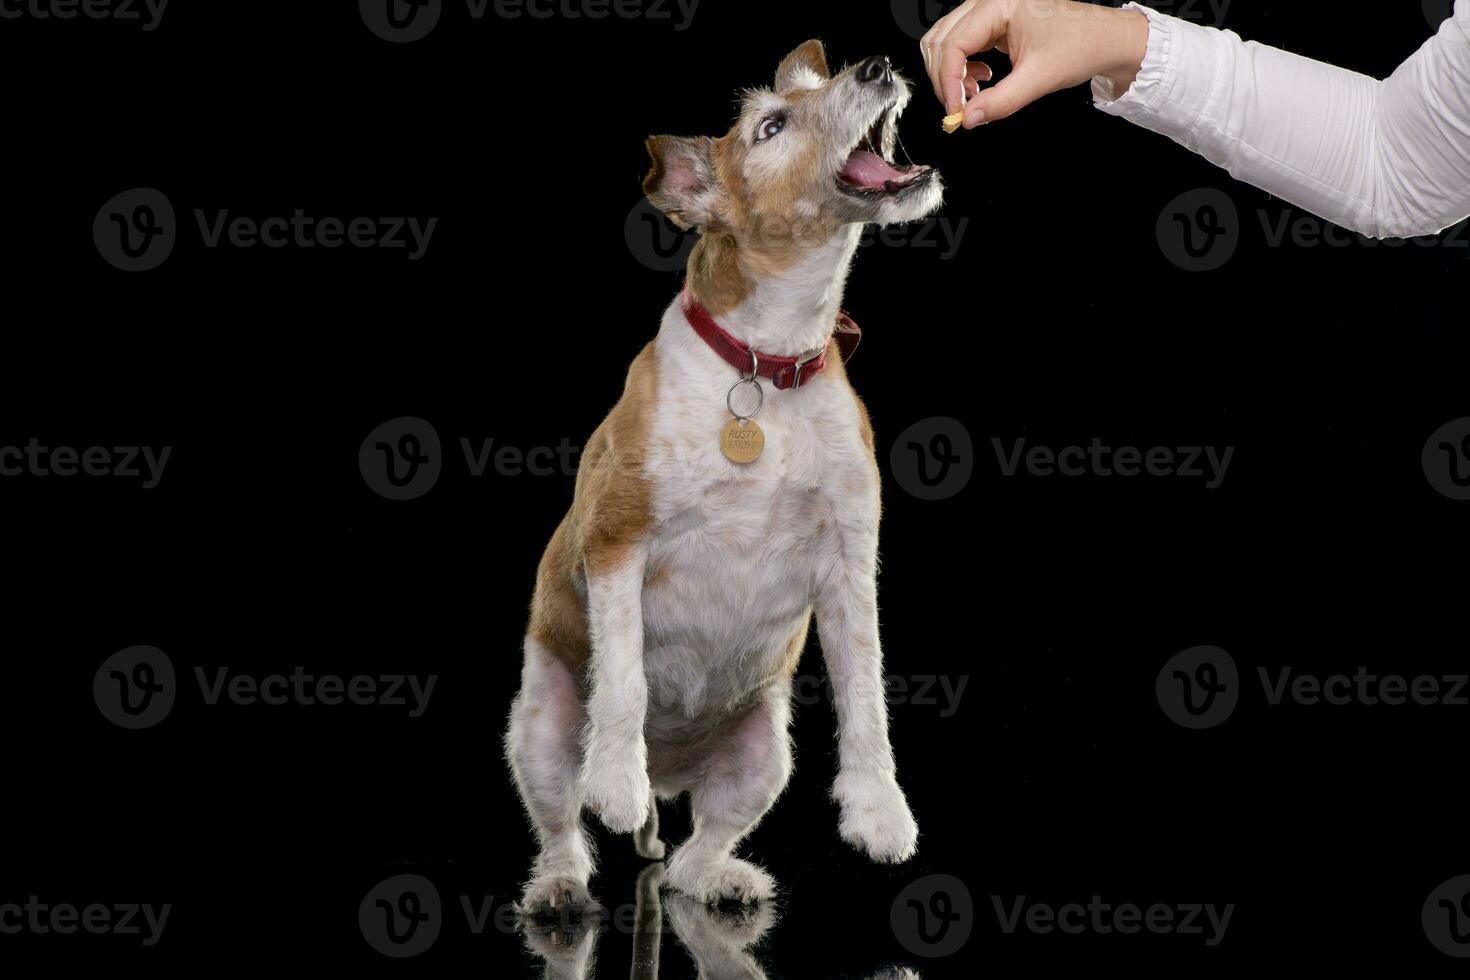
x=674 y=599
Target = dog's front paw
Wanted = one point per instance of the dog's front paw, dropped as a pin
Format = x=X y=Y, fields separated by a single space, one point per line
x=876 y=819
x=556 y=893
x=723 y=879
x=618 y=794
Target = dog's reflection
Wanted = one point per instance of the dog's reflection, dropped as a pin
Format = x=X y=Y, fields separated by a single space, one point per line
x=718 y=941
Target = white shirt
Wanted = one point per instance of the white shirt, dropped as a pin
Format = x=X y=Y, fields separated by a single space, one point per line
x=1388 y=159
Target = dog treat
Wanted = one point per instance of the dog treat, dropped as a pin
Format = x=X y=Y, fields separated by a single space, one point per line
x=954 y=122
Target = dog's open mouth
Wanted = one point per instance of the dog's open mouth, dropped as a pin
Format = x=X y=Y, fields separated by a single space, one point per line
x=870 y=169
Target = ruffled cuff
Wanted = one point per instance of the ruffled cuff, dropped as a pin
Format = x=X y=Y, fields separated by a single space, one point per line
x=1155 y=75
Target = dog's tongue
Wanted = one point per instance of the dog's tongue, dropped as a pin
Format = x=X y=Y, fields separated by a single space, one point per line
x=867 y=169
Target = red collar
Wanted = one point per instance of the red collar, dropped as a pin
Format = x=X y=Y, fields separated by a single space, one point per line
x=783 y=372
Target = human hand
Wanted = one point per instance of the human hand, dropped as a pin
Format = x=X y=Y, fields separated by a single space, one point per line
x=1052 y=44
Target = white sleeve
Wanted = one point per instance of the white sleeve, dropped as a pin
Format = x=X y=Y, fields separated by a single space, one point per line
x=1387 y=159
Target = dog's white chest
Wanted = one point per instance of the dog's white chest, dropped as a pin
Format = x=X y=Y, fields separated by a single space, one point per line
x=737 y=548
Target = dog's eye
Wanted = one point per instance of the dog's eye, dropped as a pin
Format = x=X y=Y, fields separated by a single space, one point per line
x=769 y=127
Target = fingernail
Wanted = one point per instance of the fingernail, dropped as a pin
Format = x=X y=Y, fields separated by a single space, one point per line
x=975 y=118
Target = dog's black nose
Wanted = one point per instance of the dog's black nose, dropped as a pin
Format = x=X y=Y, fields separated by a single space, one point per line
x=877 y=69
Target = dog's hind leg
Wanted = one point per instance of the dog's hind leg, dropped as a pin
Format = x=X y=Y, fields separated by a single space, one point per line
x=545 y=755
x=646 y=841
x=747 y=768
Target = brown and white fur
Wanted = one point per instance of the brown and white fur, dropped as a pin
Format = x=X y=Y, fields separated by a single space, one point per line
x=673 y=601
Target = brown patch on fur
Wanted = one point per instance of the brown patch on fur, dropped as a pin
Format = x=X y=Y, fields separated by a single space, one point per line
x=760 y=233
x=810 y=55
x=611 y=512
x=752 y=226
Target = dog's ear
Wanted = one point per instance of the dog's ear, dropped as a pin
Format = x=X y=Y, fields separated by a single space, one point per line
x=800 y=65
x=681 y=182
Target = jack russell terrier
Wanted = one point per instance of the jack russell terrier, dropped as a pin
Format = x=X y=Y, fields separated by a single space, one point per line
x=712 y=518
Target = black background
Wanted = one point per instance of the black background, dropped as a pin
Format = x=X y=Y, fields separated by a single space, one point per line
x=1060 y=318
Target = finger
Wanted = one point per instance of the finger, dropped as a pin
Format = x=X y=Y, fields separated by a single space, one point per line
x=1011 y=94
x=929 y=44
x=975 y=73
x=975 y=34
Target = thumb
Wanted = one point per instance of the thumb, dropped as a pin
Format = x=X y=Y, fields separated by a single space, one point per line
x=1005 y=98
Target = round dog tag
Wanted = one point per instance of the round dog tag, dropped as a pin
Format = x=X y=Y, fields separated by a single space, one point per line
x=742 y=440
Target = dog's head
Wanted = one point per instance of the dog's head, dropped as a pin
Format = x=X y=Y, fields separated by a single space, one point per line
x=805 y=158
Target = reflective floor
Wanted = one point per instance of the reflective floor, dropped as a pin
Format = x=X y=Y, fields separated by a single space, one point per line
x=671 y=936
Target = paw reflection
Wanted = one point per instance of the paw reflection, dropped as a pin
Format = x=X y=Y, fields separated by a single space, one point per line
x=720 y=939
